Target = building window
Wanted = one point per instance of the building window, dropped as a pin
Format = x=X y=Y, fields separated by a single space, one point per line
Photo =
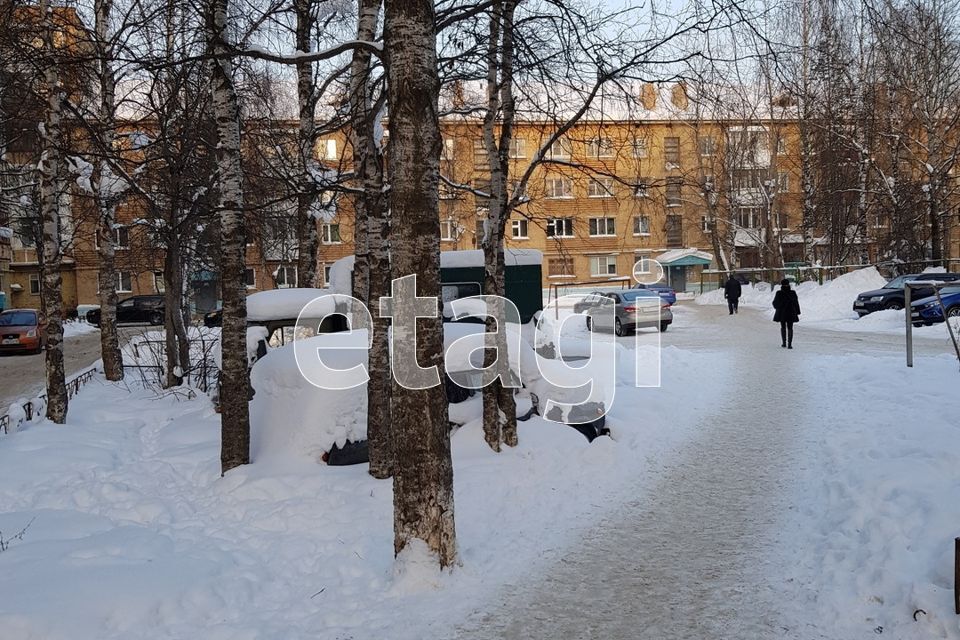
x=34 y=284
x=602 y=266
x=708 y=146
x=640 y=149
x=559 y=150
x=560 y=266
x=600 y=148
x=705 y=223
x=330 y=150
x=250 y=278
x=518 y=148
x=326 y=275
x=783 y=181
x=559 y=188
x=520 y=229
x=748 y=217
x=674 y=192
x=479 y=152
x=158 y=284
x=641 y=226
x=330 y=233
x=781 y=147
x=448 y=230
x=449 y=145
x=600 y=188
x=560 y=228
x=286 y=277
x=643 y=187
x=674 y=229
x=124 y=282
x=603 y=227
x=671 y=152
x=643 y=263
x=121 y=237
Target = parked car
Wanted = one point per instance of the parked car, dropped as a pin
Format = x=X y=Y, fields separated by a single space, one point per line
x=134 y=310
x=665 y=291
x=633 y=309
x=891 y=295
x=927 y=311
x=20 y=330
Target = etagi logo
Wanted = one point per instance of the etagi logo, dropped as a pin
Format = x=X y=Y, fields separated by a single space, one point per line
x=570 y=360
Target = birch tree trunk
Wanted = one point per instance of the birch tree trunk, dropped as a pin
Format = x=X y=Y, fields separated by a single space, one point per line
x=307 y=240
x=372 y=215
x=499 y=404
x=51 y=188
x=423 y=473
x=177 y=341
x=106 y=207
x=234 y=396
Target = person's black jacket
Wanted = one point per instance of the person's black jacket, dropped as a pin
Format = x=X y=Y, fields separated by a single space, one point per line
x=732 y=289
x=787 y=306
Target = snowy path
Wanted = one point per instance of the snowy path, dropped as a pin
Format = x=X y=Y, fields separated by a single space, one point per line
x=707 y=553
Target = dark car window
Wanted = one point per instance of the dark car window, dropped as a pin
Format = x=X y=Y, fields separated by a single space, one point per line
x=18 y=319
x=126 y=304
x=148 y=303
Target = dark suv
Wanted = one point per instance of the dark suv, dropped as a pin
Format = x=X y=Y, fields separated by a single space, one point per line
x=135 y=310
x=891 y=295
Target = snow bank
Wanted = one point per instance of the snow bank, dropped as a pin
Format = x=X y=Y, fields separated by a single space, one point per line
x=77 y=328
x=831 y=301
x=341 y=276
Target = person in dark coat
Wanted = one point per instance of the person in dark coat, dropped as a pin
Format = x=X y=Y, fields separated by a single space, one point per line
x=787 y=307
x=732 y=292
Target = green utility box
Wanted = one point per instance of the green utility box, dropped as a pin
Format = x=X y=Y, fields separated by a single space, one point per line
x=461 y=276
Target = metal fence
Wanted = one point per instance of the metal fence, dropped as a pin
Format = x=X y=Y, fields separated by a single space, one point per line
x=30 y=409
x=711 y=279
x=147 y=357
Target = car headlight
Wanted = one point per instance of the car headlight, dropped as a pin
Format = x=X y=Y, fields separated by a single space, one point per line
x=931 y=305
x=32 y=333
x=876 y=299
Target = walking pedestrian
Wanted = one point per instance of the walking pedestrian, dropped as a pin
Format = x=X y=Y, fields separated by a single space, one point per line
x=732 y=292
x=787 y=307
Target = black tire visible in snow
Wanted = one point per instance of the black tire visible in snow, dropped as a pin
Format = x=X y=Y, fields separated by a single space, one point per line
x=351 y=453
x=663 y=326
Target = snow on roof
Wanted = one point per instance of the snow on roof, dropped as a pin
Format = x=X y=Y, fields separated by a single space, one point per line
x=286 y=304
x=474 y=258
x=623 y=101
x=675 y=255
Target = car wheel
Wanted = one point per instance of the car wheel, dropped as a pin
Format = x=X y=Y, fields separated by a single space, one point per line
x=156 y=318
x=663 y=326
x=618 y=327
x=954 y=311
x=589 y=323
x=894 y=306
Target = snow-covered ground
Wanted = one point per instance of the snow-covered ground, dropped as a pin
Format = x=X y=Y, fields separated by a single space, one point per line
x=130 y=531
x=77 y=328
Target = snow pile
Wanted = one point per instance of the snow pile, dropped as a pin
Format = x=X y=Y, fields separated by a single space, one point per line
x=290 y=417
x=77 y=328
x=341 y=276
x=831 y=301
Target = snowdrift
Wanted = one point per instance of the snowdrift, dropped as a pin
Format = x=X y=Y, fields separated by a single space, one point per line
x=831 y=301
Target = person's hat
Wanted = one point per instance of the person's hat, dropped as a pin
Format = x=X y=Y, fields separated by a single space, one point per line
x=785 y=281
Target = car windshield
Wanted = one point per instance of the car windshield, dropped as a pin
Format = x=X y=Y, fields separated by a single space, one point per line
x=18 y=319
x=897 y=283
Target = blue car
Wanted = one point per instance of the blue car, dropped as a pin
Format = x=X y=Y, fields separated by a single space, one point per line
x=665 y=291
x=927 y=311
